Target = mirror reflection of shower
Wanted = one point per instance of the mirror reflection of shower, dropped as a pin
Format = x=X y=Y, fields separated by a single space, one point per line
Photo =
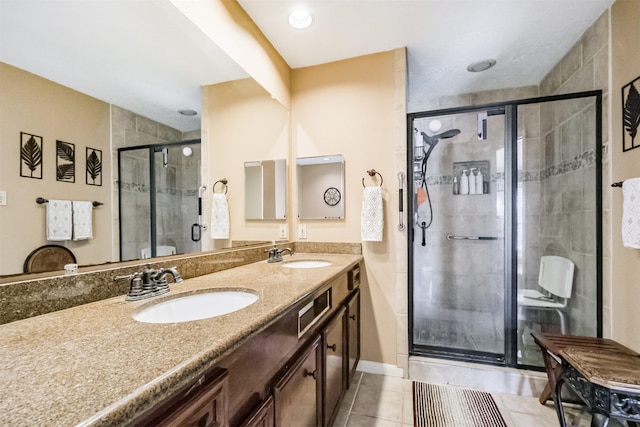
x=158 y=193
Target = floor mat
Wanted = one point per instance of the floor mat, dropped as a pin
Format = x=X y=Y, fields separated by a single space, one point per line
x=447 y=406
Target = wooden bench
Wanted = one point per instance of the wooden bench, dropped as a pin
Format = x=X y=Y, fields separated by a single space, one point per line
x=551 y=346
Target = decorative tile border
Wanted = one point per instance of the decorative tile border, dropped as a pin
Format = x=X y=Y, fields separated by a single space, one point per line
x=576 y=163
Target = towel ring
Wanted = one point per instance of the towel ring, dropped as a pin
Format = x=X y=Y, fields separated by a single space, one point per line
x=223 y=181
x=372 y=173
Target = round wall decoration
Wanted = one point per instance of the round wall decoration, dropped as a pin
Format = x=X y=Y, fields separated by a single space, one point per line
x=332 y=196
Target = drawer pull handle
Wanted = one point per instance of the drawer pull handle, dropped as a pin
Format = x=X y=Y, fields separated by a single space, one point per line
x=352 y=317
x=332 y=347
x=313 y=374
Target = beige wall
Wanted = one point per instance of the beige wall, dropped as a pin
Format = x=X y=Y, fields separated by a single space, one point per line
x=625 y=263
x=34 y=105
x=356 y=108
x=241 y=123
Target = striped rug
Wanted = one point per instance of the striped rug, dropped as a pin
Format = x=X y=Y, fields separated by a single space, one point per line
x=447 y=406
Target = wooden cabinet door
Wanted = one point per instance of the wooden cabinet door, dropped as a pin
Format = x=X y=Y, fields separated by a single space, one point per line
x=298 y=395
x=264 y=416
x=353 y=334
x=335 y=367
x=207 y=407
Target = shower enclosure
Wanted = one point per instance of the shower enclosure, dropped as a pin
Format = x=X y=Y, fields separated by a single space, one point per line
x=158 y=190
x=495 y=188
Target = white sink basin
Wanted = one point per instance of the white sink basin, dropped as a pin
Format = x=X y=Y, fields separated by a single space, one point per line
x=306 y=264
x=195 y=306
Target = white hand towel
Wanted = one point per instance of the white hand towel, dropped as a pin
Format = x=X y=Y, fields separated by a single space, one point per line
x=82 y=220
x=372 y=215
x=59 y=220
x=219 y=216
x=631 y=213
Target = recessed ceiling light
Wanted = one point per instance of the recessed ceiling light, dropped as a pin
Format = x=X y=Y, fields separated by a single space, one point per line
x=188 y=112
x=484 y=65
x=300 y=19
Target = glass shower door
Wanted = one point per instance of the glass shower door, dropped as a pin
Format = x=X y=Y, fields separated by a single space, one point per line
x=458 y=235
x=159 y=190
x=558 y=207
x=135 y=205
x=177 y=179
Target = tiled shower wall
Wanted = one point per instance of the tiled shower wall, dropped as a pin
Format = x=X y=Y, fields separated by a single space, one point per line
x=568 y=226
x=130 y=130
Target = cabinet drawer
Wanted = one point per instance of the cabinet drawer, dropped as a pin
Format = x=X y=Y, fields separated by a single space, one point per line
x=264 y=416
x=204 y=406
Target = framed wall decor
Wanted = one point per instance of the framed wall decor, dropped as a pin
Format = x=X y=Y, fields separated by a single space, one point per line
x=94 y=166
x=65 y=161
x=630 y=115
x=30 y=155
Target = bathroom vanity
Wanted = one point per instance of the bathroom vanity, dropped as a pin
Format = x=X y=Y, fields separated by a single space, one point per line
x=289 y=355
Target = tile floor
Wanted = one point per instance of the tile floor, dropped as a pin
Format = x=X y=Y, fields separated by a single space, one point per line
x=384 y=401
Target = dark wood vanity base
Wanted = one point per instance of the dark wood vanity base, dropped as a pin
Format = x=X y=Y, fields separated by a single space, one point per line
x=291 y=372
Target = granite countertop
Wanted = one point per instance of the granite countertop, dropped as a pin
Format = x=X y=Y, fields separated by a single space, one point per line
x=94 y=365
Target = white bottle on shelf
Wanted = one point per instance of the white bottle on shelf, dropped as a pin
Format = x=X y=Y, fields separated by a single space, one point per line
x=479 y=183
x=464 y=182
x=472 y=182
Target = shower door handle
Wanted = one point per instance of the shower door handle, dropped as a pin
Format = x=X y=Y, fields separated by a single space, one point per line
x=452 y=237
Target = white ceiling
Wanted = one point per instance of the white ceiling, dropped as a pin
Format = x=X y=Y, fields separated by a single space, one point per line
x=526 y=37
x=145 y=56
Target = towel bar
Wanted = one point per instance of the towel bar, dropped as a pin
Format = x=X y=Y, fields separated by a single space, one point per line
x=41 y=200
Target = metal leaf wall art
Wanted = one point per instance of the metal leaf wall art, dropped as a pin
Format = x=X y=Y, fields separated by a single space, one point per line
x=94 y=166
x=630 y=115
x=30 y=155
x=65 y=161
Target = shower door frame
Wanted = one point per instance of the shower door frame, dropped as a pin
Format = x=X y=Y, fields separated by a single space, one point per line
x=509 y=357
x=152 y=149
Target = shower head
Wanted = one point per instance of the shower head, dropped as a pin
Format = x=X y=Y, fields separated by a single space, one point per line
x=447 y=134
x=432 y=141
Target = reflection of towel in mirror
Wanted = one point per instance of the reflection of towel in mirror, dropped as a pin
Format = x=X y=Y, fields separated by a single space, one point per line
x=82 y=220
x=219 y=216
x=372 y=215
x=631 y=213
x=59 y=220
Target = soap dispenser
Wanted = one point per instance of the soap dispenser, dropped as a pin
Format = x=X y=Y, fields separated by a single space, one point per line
x=479 y=183
x=464 y=182
x=472 y=182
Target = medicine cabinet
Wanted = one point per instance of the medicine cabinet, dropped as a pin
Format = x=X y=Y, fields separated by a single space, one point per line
x=320 y=187
x=265 y=189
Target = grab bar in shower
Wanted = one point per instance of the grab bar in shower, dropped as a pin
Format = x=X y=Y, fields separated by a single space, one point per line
x=452 y=237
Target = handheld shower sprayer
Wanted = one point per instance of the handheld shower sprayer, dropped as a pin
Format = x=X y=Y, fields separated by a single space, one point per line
x=430 y=141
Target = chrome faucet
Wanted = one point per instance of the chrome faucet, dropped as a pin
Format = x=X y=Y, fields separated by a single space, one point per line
x=275 y=254
x=150 y=282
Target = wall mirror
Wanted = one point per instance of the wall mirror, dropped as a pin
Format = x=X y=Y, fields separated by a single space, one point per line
x=26 y=31
x=265 y=189
x=320 y=187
